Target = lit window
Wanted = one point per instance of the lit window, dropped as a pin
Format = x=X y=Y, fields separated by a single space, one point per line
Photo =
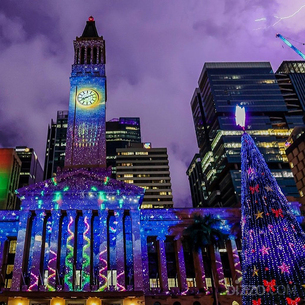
x=13 y=244
x=128 y=181
x=128 y=175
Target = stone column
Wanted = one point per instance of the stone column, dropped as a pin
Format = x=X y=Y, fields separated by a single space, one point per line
x=53 y=258
x=136 y=249
x=103 y=256
x=180 y=265
x=69 y=262
x=199 y=270
x=145 y=267
x=120 y=250
x=85 y=56
x=162 y=264
x=23 y=236
x=234 y=261
x=35 y=268
x=218 y=269
x=86 y=268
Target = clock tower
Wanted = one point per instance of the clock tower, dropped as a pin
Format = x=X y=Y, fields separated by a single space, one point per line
x=86 y=134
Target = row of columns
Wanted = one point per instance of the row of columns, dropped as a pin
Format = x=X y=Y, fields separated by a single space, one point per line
x=24 y=234
x=200 y=277
x=81 y=54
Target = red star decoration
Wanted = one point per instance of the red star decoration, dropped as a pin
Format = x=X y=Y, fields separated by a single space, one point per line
x=253 y=250
x=267 y=269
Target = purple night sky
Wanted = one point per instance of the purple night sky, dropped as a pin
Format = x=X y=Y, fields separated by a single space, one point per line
x=155 y=51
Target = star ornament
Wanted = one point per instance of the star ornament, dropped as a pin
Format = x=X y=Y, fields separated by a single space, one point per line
x=264 y=250
x=259 y=214
x=251 y=172
x=268 y=188
x=255 y=271
x=284 y=268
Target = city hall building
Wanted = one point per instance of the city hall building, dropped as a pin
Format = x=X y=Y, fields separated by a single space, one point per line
x=81 y=237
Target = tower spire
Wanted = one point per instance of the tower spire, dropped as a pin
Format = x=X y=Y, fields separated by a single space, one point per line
x=90 y=29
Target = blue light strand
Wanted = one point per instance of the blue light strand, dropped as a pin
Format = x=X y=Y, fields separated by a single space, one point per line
x=273 y=241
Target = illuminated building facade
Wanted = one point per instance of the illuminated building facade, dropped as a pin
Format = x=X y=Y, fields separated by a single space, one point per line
x=147 y=167
x=80 y=238
x=295 y=153
x=195 y=176
x=10 y=166
x=221 y=87
x=86 y=133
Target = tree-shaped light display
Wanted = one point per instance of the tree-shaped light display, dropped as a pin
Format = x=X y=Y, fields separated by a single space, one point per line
x=273 y=241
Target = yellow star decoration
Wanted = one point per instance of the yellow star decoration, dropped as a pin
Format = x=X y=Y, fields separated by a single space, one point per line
x=303 y=286
x=255 y=271
x=259 y=215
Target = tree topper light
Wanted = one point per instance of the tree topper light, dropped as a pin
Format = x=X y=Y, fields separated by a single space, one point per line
x=240 y=116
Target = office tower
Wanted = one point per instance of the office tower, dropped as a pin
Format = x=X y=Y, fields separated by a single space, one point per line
x=120 y=132
x=147 y=167
x=10 y=166
x=56 y=144
x=197 y=185
x=291 y=79
x=221 y=87
x=31 y=170
x=296 y=156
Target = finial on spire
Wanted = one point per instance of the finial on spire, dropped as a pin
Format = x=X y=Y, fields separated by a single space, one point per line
x=240 y=116
x=90 y=18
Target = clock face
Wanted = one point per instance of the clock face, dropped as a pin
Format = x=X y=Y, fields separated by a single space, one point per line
x=87 y=97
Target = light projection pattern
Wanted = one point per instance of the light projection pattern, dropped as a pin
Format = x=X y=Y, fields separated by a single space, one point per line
x=273 y=241
x=86 y=256
x=69 y=258
x=86 y=134
x=51 y=271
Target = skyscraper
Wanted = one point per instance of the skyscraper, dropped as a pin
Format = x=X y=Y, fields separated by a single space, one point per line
x=291 y=79
x=120 y=133
x=221 y=87
x=56 y=144
x=147 y=167
x=196 y=182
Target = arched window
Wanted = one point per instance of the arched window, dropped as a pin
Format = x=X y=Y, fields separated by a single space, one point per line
x=157 y=303
x=178 y=303
x=196 y=303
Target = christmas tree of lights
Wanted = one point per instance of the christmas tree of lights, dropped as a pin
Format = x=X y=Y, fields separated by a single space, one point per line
x=273 y=244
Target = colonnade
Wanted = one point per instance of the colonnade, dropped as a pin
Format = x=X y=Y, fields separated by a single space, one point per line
x=38 y=247
x=200 y=276
x=88 y=53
